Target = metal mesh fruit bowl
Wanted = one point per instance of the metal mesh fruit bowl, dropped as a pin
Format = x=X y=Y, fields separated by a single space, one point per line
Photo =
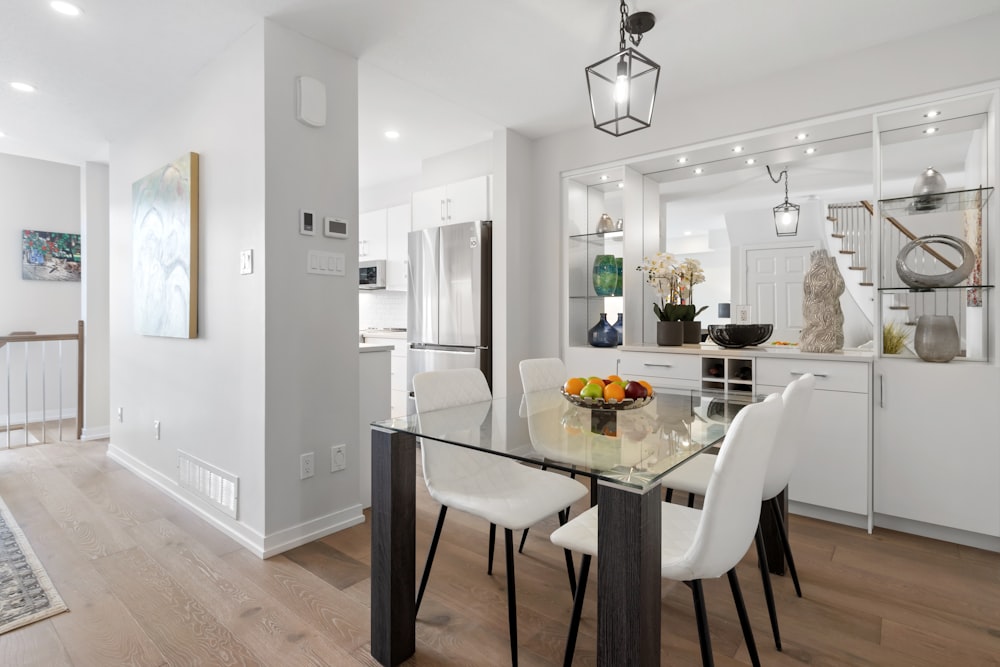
x=739 y=335
x=601 y=404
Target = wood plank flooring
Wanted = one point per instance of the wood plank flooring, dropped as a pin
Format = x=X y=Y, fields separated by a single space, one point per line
x=149 y=583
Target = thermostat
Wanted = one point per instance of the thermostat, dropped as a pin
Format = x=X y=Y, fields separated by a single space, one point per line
x=335 y=228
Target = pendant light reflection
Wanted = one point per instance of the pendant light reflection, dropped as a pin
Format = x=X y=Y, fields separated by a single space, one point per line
x=786 y=215
x=622 y=87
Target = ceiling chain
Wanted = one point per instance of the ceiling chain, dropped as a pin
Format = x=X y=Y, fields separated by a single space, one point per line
x=635 y=38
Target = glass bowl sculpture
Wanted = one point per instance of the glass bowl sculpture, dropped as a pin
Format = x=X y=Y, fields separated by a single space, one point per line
x=739 y=335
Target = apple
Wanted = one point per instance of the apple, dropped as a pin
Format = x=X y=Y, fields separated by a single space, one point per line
x=592 y=390
x=635 y=390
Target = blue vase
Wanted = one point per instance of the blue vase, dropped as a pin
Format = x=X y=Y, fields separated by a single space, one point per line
x=618 y=283
x=603 y=334
x=605 y=275
x=618 y=327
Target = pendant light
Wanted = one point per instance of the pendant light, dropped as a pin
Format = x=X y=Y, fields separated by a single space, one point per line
x=622 y=87
x=786 y=216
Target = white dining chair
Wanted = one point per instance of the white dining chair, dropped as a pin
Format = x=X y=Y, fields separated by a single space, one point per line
x=693 y=477
x=542 y=373
x=706 y=543
x=495 y=488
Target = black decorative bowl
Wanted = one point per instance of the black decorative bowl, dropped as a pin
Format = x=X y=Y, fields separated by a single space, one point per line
x=739 y=335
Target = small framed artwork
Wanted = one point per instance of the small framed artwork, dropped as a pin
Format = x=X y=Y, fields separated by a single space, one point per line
x=307 y=226
x=335 y=228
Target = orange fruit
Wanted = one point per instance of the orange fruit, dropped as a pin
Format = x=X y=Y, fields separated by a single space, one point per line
x=614 y=378
x=573 y=386
x=595 y=380
x=613 y=391
x=647 y=387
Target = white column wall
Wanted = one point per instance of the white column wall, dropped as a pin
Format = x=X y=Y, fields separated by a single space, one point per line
x=94 y=301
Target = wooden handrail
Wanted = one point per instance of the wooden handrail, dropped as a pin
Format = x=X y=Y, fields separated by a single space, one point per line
x=910 y=235
x=32 y=337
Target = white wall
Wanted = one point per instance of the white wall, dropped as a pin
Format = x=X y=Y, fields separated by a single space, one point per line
x=94 y=301
x=964 y=55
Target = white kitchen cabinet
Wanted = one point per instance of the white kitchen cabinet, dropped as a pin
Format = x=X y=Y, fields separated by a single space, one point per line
x=937 y=453
x=396 y=265
x=397 y=372
x=372 y=235
x=832 y=470
x=673 y=370
x=464 y=201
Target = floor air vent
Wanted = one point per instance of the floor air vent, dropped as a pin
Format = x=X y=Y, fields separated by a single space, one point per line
x=220 y=489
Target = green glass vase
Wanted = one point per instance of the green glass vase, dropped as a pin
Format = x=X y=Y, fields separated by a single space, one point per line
x=605 y=275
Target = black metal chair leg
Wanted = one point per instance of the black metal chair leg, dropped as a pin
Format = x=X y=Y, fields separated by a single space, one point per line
x=493 y=539
x=430 y=556
x=511 y=596
x=570 y=570
x=765 y=577
x=690 y=500
x=524 y=536
x=741 y=611
x=707 y=660
x=669 y=496
x=783 y=534
x=574 y=623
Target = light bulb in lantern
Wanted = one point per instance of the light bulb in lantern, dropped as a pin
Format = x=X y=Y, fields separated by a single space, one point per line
x=786 y=219
x=621 y=82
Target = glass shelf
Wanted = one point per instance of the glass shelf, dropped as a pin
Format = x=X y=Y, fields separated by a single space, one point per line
x=957 y=200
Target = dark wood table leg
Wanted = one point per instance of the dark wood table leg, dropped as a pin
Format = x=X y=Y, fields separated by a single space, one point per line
x=772 y=539
x=628 y=577
x=393 y=601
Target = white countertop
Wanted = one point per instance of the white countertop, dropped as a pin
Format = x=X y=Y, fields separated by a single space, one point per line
x=753 y=351
x=383 y=333
x=374 y=347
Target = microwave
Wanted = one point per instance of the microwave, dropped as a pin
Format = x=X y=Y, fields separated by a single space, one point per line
x=371 y=275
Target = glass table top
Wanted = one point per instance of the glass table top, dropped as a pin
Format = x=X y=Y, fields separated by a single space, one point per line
x=632 y=448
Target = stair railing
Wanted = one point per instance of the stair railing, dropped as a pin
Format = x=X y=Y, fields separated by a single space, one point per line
x=32 y=346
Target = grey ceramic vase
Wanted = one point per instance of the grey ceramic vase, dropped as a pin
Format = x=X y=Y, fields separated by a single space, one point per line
x=936 y=338
x=822 y=318
x=669 y=332
x=692 y=332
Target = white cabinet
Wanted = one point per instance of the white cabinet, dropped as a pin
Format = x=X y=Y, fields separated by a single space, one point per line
x=832 y=470
x=397 y=373
x=937 y=458
x=673 y=370
x=464 y=201
x=396 y=265
x=372 y=235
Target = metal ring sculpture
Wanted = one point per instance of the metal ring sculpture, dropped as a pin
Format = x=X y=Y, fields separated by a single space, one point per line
x=923 y=280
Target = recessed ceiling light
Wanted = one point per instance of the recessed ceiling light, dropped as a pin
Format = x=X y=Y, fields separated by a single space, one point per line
x=23 y=87
x=604 y=177
x=1 y=135
x=698 y=170
x=737 y=149
x=809 y=151
x=687 y=233
x=391 y=134
x=932 y=114
x=682 y=160
x=750 y=160
x=66 y=8
x=801 y=136
x=930 y=130
x=621 y=185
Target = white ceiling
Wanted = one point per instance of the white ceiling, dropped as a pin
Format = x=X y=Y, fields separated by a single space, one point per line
x=445 y=73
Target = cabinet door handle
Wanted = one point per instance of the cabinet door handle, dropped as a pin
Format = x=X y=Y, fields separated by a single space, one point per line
x=442 y=210
x=818 y=375
x=660 y=365
x=448 y=209
x=881 y=390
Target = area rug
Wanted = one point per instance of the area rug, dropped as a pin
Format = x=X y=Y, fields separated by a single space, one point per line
x=26 y=594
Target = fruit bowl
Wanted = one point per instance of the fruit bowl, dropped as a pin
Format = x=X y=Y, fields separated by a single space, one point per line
x=739 y=335
x=601 y=404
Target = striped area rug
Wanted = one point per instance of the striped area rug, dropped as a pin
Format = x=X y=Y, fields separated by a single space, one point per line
x=26 y=594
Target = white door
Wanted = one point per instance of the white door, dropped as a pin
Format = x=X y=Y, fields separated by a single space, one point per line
x=774 y=288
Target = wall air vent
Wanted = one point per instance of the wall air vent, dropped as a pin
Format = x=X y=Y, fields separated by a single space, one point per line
x=221 y=489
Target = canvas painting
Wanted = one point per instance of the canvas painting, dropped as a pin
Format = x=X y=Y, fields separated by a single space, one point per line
x=165 y=250
x=50 y=256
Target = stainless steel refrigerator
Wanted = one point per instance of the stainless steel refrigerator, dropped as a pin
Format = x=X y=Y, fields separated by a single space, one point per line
x=449 y=316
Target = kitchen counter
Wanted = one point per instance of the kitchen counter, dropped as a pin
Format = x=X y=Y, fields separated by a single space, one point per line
x=383 y=333
x=374 y=347
x=785 y=351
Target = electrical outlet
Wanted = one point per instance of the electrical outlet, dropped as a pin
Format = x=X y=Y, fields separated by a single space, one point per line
x=156 y=429
x=338 y=457
x=307 y=465
x=121 y=415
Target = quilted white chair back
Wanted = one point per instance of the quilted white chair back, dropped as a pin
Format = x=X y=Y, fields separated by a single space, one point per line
x=732 y=500
x=445 y=465
x=792 y=435
x=539 y=374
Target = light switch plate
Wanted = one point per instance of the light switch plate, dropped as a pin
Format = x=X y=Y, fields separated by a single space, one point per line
x=325 y=263
x=246 y=262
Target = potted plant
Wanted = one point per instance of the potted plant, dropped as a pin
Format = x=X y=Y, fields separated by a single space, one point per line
x=660 y=271
x=689 y=274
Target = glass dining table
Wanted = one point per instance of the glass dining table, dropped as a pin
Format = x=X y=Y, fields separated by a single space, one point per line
x=624 y=453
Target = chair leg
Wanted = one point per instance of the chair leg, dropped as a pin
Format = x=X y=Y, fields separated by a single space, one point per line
x=563 y=518
x=702 y=617
x=493 y=539
x=765 y=577
x=511 y=596
x=779 y=519
x=574 y=622
x=430 y=556
x=690 y=500
x=524 y=536
x=741 y=611
x=669 y=496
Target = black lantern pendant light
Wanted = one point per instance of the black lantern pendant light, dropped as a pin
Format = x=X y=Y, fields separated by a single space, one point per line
x=622 y=87
x=786 y=216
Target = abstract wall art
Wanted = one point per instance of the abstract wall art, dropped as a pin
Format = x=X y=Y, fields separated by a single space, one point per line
x=165 y=250
x=50 y=256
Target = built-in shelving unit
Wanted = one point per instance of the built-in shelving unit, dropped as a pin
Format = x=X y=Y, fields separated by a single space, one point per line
x=733 y=374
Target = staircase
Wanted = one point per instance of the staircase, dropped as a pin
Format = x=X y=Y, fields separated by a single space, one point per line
x=850 y=232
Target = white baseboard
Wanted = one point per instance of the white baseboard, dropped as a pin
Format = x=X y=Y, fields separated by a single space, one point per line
x=954 y=535
x=827 y=514
x=98 y=433
x=263 y=546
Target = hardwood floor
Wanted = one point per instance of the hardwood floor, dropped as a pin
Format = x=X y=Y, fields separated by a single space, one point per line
x=149 y=583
